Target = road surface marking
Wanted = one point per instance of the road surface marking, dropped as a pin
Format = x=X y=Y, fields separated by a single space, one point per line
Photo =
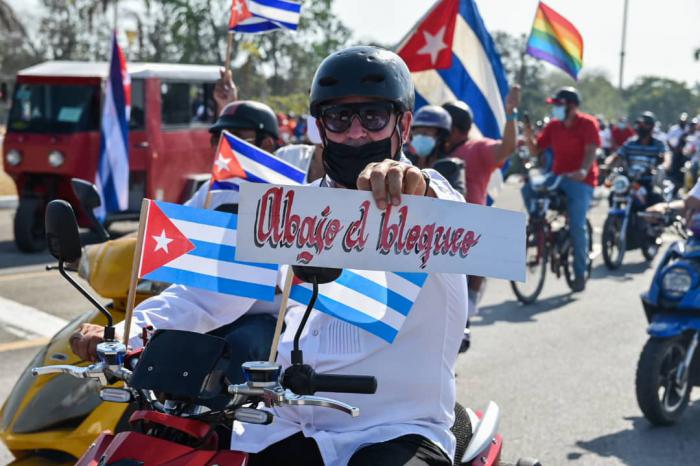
x=25 y=321
x=24 y=344
x=17 y=276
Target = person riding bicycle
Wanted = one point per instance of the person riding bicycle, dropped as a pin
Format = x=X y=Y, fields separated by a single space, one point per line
x=573 y=137
x=363 y=99
x=430 y=129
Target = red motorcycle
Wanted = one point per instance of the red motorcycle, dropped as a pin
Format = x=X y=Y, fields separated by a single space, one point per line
x=184 y=407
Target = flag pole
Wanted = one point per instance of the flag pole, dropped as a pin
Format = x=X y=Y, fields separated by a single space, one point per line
x=229 y=52
x=283 y=310
x=131 y=299
x=521 y=75
x=622 y=47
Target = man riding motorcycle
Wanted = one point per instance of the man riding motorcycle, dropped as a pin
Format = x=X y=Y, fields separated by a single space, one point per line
x=362 y=97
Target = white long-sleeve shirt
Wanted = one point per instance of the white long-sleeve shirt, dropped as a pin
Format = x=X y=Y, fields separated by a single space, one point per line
x=415 y=374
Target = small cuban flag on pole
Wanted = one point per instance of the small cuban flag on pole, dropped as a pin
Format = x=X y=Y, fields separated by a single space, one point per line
x=268 y=15
x=112 y=179
x=194 y=247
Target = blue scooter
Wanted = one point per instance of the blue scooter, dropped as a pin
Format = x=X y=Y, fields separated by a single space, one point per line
x=667 y=368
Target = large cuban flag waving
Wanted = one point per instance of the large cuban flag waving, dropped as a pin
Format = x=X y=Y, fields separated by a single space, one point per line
x=452 y=56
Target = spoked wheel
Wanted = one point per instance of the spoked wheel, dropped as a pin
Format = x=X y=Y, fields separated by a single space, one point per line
x=535 y=267
x=568 y=258
x=661 y=396
x=613 y=244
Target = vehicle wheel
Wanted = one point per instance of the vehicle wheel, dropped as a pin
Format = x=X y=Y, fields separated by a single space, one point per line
x=536 y=254
x=568 y=258
x=613 y=246
x=660 y=397
x=650 y=248
x=29 y=225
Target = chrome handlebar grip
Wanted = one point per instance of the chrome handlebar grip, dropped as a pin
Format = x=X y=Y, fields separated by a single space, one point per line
x=278 y=396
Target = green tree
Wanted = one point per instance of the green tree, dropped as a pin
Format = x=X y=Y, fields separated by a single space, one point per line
x=665 y=97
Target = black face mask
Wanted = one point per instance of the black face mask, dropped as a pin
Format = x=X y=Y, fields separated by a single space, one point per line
x=642 y=132
x=344 y=163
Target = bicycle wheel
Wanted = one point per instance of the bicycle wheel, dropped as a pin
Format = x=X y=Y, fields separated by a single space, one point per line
x=536 y=254
x=612 y=242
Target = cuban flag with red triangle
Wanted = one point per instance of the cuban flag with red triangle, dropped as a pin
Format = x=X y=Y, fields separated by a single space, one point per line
x=197 y=247
x=236 y=158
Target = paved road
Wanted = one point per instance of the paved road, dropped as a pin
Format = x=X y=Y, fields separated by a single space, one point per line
x=561 y=370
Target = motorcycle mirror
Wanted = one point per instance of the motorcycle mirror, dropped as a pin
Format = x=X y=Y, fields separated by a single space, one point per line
x=321 y=274
x=64 y=244
x=89 y=199
x=62 y=231
x=86 y=193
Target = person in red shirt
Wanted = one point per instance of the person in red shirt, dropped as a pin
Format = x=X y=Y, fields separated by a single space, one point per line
x=621 y=132
x=573 y=137
x=481 y=156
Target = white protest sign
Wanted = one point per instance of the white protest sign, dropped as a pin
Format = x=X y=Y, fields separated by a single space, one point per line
x=342 y=228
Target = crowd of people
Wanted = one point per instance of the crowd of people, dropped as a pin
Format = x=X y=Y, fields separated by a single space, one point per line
x=362 y=133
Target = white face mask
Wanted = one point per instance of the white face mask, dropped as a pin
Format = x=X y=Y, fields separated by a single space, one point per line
x=559 y=112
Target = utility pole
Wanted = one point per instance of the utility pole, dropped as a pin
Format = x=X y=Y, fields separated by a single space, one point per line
x=622 y=48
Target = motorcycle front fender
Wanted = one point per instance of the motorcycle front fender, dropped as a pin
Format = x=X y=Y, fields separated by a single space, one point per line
x=671 y=325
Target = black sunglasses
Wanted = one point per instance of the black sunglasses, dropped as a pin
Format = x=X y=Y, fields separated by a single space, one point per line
x=374 y=116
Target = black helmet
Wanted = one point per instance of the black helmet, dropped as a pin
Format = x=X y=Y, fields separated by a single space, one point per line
x=362 y=71
x=565 y=95
x=461 y=114
x=648 y=118
x=433 y=116
x=247 y=114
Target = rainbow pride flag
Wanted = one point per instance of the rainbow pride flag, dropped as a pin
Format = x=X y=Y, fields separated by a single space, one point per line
x=555 y=40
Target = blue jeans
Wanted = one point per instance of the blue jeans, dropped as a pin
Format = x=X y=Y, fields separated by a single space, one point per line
x=250 y=338
x=578 y=200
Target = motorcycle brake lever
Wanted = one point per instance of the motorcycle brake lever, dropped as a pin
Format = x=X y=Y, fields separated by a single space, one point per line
x=93 y=371
x=292 y=399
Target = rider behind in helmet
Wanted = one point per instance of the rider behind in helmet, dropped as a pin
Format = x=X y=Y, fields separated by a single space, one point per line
x=430 y=129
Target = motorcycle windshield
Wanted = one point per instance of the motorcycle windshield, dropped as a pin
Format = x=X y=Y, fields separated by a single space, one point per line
x=55 y=108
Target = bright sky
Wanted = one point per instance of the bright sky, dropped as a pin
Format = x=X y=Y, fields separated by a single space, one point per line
x=661 y=35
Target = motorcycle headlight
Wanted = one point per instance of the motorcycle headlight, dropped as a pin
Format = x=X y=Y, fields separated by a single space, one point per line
x=676 y=282
x=620 y=184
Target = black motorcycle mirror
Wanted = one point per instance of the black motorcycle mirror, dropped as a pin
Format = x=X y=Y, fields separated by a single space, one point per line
x=89 y=198
x=64 y=244
x=301 y=378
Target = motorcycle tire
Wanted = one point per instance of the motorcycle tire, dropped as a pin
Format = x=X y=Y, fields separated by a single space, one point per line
x=657 y=366
x=650 y=249
x=568 y=258
x=528 y=292
x=613 y=246
x=29 y=225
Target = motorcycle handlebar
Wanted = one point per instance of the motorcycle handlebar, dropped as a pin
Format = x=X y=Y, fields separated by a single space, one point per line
x=364 y=384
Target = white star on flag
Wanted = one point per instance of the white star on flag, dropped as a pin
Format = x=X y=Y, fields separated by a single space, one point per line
x=238 y=7
x=433 y=44
x=162 y=242
x=222 y=163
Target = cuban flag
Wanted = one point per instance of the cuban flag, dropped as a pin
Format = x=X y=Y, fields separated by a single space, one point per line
x=375 y=301
x=112 y=179
x=196 y=247
x=268 y=15
x=236 y=158
x=452 y=57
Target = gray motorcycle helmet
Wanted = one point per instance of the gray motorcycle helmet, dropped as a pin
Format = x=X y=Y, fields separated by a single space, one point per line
x=432 y=116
